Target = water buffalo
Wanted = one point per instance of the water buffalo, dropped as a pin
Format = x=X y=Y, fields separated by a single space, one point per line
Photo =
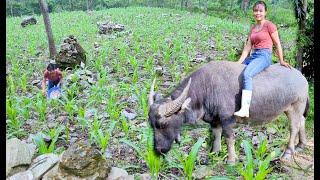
x=213 y=93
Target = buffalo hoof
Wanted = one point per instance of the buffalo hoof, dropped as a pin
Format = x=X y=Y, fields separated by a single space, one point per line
x=286 y=156
x=215 y=149
x=299 y=149
x=231 y=162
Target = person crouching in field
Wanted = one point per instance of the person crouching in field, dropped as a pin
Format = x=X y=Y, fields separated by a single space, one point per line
x=54 y=77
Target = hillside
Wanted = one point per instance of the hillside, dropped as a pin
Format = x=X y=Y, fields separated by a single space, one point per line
x=158 y=42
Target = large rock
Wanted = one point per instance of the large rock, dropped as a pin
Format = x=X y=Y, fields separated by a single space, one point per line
x=28 y=21
x=109 y=27
x=39 y=166
x=82 y=160
x=71 y=54
x=42 y=164
x=57 y=174
x=25 y=175
x=18 y=156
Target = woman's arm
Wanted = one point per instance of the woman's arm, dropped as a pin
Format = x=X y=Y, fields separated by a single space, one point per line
x=43 y=85
x=246 y=51
x=276 y=41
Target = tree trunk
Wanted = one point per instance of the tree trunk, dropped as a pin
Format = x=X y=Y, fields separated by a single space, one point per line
x=301 y=32
x=244 y=5
x=70 y=4
x=11 y=8
x=87 y=5
x=46 y=19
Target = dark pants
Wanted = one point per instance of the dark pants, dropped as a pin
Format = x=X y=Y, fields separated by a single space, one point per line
x=51 y=84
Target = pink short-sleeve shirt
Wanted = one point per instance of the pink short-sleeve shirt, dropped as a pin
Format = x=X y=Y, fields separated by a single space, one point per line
x=262 y=38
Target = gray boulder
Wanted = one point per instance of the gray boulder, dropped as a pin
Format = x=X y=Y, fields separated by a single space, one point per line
x=18 y=156
x=30 y=20
x=71 y=54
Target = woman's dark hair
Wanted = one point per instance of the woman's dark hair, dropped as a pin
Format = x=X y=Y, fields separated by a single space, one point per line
x=52 y=66
x=260 y=2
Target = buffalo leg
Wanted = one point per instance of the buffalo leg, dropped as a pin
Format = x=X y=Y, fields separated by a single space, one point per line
x=295 y=122
x=302 y=135
x=230 y=140
x=216 y=133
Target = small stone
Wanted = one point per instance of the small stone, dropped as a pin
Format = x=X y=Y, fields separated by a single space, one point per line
x=143 y=176
x=271 y=130
x=202 y=172
x=90 y=113
x=129 y=115
x=255 y=140
x=35 y=82
x=117 y=173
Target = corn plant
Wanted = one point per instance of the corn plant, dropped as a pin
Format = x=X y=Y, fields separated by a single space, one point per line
x=148 y=154
x=70 y=107
x=81 y=118
x=41 y=107
x=188 y=161
x=124 y=125
x=24 y=82
x=11 y=84
x=258 y=168
x=25 y=107
x=43 y=148
x=148 y=65
x=14 y=123
x=72 y=91
x=98 y=136
x=142 y=95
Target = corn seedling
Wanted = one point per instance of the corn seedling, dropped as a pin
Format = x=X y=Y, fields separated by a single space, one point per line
x=14 y=123
x=43 y=148
x=188 y=162
x=41 y=107
x=11 y=84
x=81 y=118
x=25 y=109
x=152 y=160
x=24 y=82
x=124 y=125
x=258 y=168
x=98 y=136
x=143 y=101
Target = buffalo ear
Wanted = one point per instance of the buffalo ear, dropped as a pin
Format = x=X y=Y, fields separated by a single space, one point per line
x=178 y=138
x=186 y=104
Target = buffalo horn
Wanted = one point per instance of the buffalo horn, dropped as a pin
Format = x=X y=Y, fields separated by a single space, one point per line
x=151 y=93
x=171 y=107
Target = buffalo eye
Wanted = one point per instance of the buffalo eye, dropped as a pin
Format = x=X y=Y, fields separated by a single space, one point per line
x=163 y=125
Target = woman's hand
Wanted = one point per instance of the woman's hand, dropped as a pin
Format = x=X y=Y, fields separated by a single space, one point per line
x=283 y=63
x=44 y=93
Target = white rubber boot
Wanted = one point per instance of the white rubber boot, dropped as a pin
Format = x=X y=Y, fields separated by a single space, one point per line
x=245 y=104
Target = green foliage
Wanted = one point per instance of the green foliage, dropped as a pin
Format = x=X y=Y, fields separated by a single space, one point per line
x=256 y=167
x=148 y=154
x=43 y=148
x=188 y=161
x=123 y=68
